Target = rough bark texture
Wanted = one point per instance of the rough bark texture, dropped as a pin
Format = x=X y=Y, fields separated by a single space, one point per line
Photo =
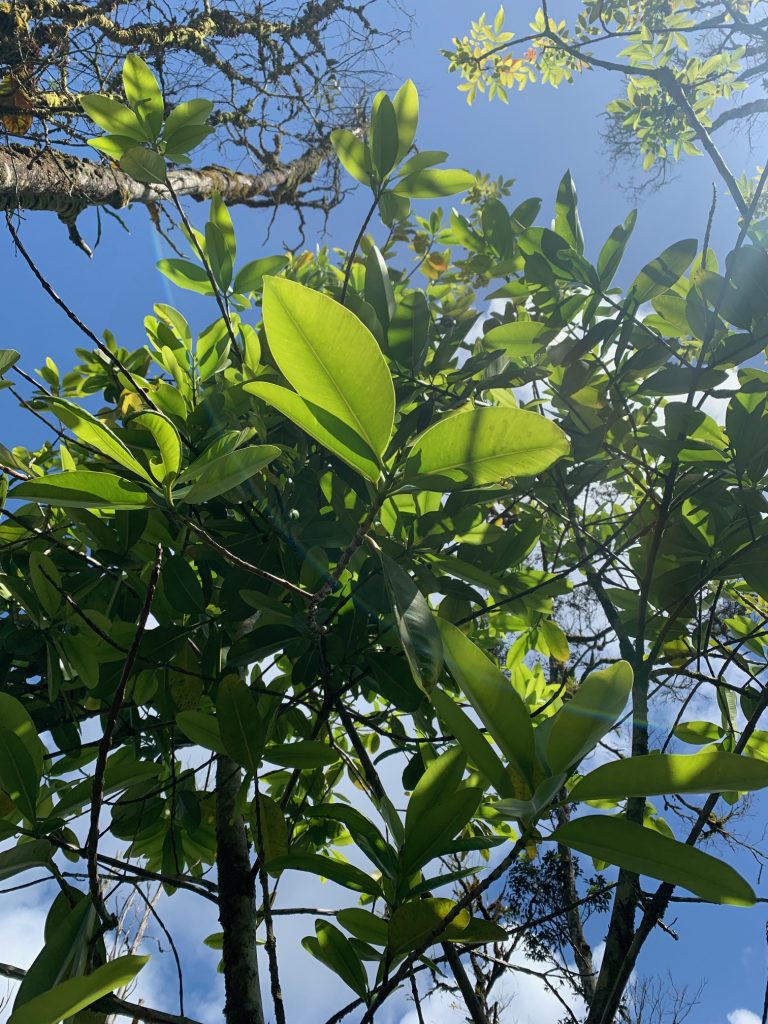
x=36 y=179
x=237 y=903
x=473 y=1005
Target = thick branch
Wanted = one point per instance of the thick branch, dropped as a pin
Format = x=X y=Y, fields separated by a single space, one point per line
x=32 y=178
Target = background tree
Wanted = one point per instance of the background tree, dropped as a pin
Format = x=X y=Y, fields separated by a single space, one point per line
x=690 y=73
x=279 y=78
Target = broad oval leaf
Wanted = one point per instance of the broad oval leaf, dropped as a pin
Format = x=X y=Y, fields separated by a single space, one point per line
x=15 y=717
x=143 y=94
x=168 y=443
x=656 y=774
x=416 y=625
x=96 y=434
x=331 y=432
x=660 y=274
x=384 y=140
x=112 y=117
x=333 y=948
x=144 y=165
x=242 y=730
x=18 y=774
x=406 y=104
x=301 y=754
x=83 y=488
x=250 y=277
x=434 y=184
x=646 y=852
x=186 y=274
x=225 y=472
x=591 y=713
x=483 y=446
x=353 y=154
x=53 y=962
x=201 y=728
x=343 y=874
x=476 y=747
x=35 y=854
x=330 y=358
x=496 y=702
x=67 y=998
x=364 y=925
x=414 y=923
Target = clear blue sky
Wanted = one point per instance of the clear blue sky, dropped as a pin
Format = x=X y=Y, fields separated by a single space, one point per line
x=534 y=140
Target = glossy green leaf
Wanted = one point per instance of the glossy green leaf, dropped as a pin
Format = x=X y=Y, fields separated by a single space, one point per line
x=18 y=774
x=144 y=165
x=660 y=274
x=270 y=829
x=591 y=713
x=416 y=625
x=612 y=252
x=567 y=223
x=46 y=582
x=414 y=923
x=378 y=287
x=242 y=730
x=8 y=358
x=334 y=434
x=471 y=740
x=250 y=277
x=68 y=997
x=383 y=139
x=301 y=754
x=191 y=113
x=15 y=717
x=646 y=852
x=494 y=699
x=519 y=339
x=483 y=446
x=112 y=117
x=334 y=949
x=201 y=728
x=655 y=774
x=168 y=444
x=93 y=432
x=336 y=871
x=330 y=358
x=226 y=472
x=408 y=334
x=186 y=275
x=54 y=961
x=37 y=853
x=434 y=184
x=364 y=833
x=406 y=104
x=354 y=155
x=364 y=925
x=83 y=489
x=143 y=94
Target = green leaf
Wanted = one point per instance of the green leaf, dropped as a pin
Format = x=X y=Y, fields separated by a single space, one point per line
x=250 y=277
x=182 y=586
x=334 y=949
x=555 y=639
x=364 y=833
x=408 y=334
x=416 y=625
x=192 y=113
x=434 y=184
x=37 y=853
x=143 y=94
x=168 y=443
x=201 y=728
x=144 y=165
x=330 y=358
x=301 y=754
x=327 y=429
x=406 y=104
x=477 y=748
x=54 y=961
x=271 y=829
x=364 y=925
x=242 y=730
x=15 y=717
x=113 y=117
x=413 y=923
x=566 y=214
x=94 y=433
x=646 y=852
x=520 y=339
x=591 y=713
x=335 y=870
x=18 y=775
x=44 y=577
x=378 y=287
x=660 y=274
x=186 y=275
x=225 y=472
x=698 y=733
x=83 y=489
x=419 y=161
x=612 y=252
x=68 y=997
x=8 y=358
x=494 y=699
x=656 y=774
x=353 y=154
x=483 y=446
x=384 y=140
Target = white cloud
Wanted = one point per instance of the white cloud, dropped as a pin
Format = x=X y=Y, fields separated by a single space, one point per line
x=743 y=1017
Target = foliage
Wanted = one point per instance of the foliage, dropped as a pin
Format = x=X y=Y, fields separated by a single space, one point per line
x=338 y=502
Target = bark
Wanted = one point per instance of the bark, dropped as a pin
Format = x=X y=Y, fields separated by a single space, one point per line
x=237 y=902
x=37 y=179
x=471 y=1002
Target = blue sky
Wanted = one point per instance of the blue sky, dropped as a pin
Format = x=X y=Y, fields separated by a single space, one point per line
x=534 y=140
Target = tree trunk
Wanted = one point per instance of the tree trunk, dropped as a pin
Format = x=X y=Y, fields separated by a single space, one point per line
x=49 y=179
x=237 y=903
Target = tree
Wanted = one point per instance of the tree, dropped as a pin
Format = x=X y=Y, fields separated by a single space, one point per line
x=297 y=545
x=687 y=70
x=278 y=79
